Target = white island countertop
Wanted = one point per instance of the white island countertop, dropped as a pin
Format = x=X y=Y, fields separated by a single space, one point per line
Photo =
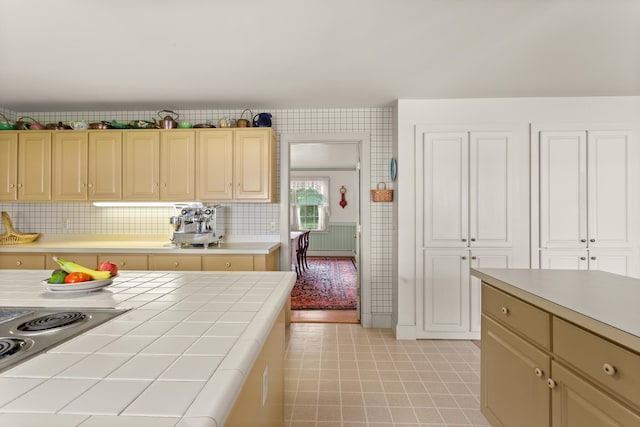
x=603 y=302
x=178 y=358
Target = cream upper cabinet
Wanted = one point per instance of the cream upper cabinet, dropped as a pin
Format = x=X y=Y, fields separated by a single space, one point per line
x=585 y=189
x=177 y=166
x=105 y=165
x=141 y=165
x=69 y=165
x=8 y=166
x=34 y=166
x=254 y=172
x=214 y=167
x=159 y=165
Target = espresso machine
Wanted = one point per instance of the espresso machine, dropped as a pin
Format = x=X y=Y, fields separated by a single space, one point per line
x=196 y=225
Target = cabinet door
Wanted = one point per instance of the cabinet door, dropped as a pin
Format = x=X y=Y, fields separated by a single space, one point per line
x=141 y=162
x=8 y=166
x=175 y=262
x=177 y=166
x=254 y=156
x=126 y=261
x=563 y=189
x=578 y=403
x=576 y=259
x=105 y=165
x=609 y=181
x=484 y=258
x=612 y=261
x=21 y=261
x=34 y=166
x=445 y=188
x=446 y=290
x=227 y=263
x=513 y=376
x=214 y=168
x=490 y=189
x=69 y=165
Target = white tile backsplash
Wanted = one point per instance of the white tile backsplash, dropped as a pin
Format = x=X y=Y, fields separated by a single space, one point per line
x=256 y=219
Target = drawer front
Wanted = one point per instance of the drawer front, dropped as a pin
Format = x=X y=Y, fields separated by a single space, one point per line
x=21 y=261
x=228 y=263
x=126 y=262
x=608 y=364
x=175 y=262
x=533 y=323
x=89 y=261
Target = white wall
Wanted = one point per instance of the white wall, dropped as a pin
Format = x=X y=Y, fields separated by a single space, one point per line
x=516 y=111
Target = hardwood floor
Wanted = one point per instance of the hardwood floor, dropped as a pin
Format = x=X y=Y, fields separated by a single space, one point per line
x=324 y=316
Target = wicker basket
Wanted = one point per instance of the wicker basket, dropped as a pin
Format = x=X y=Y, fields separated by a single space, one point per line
x=382 y=194
x=12 y=237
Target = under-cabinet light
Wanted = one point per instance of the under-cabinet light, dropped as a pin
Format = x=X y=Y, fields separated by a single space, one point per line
x=137 y=204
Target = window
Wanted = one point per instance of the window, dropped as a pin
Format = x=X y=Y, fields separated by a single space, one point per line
x=309 y=198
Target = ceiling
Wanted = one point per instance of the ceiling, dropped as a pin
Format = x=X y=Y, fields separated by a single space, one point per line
x=79 y=55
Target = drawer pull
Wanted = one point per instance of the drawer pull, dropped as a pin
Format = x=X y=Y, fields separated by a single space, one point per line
x=609 y=369
x=122 y=263
x=18 y=263
x=551 y=383
x=176 y=263
x=227 y=265
x=505 y=311
x=538 y=372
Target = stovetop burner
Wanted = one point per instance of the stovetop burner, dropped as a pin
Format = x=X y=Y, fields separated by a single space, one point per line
x=9 y=346
x=27 y=331
x=52 y=321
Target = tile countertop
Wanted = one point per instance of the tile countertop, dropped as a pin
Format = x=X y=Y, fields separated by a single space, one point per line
x=136 y=244
x=603 y=302
x=178 y=358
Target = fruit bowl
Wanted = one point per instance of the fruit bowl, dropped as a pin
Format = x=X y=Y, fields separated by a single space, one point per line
x=89 y=285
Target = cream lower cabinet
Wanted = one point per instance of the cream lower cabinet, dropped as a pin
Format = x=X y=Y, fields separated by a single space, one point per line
x=22 y=261
x=87 y=165
x=25 y=164
x=126 y=261
x=540 y=370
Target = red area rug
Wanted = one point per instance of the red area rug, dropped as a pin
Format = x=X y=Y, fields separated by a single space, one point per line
x=328 y=283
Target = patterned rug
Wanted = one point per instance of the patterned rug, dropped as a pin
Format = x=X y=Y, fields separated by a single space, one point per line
x=328 y=283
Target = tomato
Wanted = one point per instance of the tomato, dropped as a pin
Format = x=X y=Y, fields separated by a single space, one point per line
x=107 y=266
x=77 y=277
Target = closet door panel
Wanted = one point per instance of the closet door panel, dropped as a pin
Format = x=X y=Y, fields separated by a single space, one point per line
x=608 y=186
x=563 y=189
x=446 y=189
x=490 y=190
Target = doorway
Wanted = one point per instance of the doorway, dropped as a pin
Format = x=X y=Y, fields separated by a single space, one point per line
x=328 y=155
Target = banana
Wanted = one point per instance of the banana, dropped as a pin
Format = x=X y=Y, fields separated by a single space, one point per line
x=71 y=267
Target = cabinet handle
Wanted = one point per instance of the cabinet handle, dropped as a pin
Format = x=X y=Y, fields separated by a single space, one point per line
x=122 y=263
x=592 y=240
x=90 y=185
x=12 y=185
x=227 y=265
x=473 y=239
x=473 y=257
x=609 y=369
x=583 y=258
x=593 y=258
x=19 y=185
x=464 y=240
x=464 y=257
x=551 y=383
x=583 y=240
x=538 y=372
x=18 y=263
x=505 y=311
x=176 y=263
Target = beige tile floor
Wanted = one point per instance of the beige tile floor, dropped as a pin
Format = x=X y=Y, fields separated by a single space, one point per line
x=344 y=375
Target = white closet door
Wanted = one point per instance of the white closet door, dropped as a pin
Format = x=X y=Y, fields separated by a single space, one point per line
x=608 y=186
x=563 y=189
x=484 y=258
x=446 y=290
x=446 y=189
x=576 y=259
x=490 y=206
x=612 y=261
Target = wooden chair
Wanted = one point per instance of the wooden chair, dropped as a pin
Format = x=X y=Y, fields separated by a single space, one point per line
x=300 y=255
x=305 y=247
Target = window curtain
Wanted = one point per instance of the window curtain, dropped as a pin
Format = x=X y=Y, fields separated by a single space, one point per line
x=309 y=191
